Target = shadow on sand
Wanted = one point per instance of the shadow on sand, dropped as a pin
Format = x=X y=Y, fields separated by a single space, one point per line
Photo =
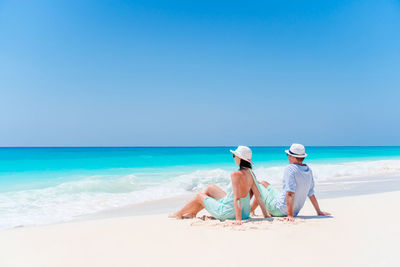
x=271 y=219
x=314 y=217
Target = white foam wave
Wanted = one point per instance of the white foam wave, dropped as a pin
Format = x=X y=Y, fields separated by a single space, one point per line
x=324 y=172
x=92 y=194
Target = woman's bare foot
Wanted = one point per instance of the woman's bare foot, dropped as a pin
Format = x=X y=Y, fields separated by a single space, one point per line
x=205 y=218
x=189 y=216
x=175 y=216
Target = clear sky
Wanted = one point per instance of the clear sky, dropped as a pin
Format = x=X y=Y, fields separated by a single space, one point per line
x=138 y=73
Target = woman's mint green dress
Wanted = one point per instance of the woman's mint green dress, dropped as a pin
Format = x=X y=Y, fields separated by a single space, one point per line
x=224 y=208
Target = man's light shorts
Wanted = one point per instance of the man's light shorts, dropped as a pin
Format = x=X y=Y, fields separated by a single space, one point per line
x=270 y=196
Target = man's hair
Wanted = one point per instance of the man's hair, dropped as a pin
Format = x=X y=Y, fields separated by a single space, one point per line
x=299 y=160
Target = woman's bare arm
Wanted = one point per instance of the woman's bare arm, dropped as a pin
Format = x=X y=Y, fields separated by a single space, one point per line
x=259 y=200
x=236 y=197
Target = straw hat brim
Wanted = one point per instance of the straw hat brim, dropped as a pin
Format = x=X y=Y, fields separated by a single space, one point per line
x=296 y=156
x=234 y=152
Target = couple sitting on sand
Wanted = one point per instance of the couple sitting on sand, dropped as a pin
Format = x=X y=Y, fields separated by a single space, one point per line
x=298 y=184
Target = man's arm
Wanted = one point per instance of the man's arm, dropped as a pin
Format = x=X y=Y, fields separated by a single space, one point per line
x=314 y=201
x=290 y=204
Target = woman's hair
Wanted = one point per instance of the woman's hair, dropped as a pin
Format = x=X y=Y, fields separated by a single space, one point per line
x=244 y=164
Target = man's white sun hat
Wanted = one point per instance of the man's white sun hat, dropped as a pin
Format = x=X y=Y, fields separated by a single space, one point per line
x=297 y=150
x=243 y=152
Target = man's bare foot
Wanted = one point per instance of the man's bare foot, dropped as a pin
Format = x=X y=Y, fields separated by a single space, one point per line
x=252 y=214
x=288 y=219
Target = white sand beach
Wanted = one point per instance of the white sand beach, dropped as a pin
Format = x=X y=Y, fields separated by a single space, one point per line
x=362 y=232
x=115 y=114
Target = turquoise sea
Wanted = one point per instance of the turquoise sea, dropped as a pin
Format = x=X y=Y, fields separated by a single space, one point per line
x=46 y=185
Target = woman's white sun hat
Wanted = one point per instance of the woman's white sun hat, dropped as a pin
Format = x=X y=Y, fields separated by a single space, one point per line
x=297 y=150
x=243 y=152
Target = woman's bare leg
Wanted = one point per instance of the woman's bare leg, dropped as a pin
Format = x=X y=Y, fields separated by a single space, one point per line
x=215 y=192
x=191 y=209
x=211 y=191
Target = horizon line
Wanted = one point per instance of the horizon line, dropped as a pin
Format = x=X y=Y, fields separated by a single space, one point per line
x=205 y=146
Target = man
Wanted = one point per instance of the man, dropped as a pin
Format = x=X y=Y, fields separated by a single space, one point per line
x=298 y=184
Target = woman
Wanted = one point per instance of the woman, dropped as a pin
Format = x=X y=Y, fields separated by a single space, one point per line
x=233 y=204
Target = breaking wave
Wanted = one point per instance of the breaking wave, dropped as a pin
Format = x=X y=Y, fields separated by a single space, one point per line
x=67 y=200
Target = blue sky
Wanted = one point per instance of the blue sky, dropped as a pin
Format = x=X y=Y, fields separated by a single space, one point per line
x=138 y=73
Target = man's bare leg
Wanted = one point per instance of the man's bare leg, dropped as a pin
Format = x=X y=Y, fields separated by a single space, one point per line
x=264 y=183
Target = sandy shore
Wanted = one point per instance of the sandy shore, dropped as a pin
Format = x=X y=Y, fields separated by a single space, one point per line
x=334 y=188
x=362 y=232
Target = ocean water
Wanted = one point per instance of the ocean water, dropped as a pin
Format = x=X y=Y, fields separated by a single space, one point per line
x=47 y=185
